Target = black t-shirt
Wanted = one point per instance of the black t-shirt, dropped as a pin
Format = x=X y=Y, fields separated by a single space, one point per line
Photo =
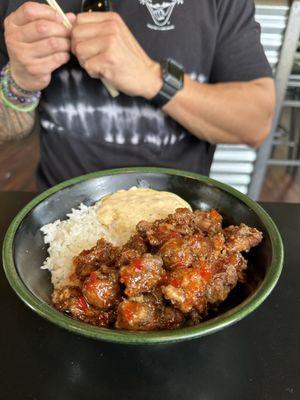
x=84 y=129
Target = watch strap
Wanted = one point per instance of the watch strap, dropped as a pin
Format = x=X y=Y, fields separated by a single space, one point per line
x=164 y=96
x=168 y=90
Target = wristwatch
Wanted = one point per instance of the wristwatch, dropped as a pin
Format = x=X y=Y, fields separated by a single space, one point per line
x=173 y=80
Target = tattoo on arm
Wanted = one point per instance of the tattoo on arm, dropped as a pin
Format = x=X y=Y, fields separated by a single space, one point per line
x=15 y=125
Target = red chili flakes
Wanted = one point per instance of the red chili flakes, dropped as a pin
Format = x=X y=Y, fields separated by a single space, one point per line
x=124 y=278
x=166 y=232
x=174 y=234
x=138 y=263
x=175 y=282
x=205 y=273
x=178 y=265
x=128 y=310
x=91 y=281
x=214 y=214
x=82 y=304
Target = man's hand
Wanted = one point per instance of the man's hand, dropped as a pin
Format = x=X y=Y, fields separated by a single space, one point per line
x=37 y=44
x=106 y=49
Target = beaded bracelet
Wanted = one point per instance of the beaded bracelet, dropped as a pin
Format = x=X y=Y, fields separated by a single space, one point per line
x=15 y=107
x=23 y=100
x=17 y=88
x=9 y=94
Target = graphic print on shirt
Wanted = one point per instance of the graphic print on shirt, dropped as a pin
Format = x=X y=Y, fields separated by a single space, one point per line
x=161 y=13
x=120 y=124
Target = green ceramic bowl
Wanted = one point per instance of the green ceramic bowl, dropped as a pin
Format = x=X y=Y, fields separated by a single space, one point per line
x=24 y=251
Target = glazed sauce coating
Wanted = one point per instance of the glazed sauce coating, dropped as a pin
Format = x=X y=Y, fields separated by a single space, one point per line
x=168 y=275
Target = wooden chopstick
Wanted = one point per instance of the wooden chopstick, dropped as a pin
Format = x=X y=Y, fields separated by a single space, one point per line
x=56 y=7
x=53 y=3
x=111 y=90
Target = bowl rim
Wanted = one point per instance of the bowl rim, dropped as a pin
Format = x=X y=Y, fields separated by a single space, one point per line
x=144 y=338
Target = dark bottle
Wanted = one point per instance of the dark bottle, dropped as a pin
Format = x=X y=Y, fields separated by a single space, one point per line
x=96 y=5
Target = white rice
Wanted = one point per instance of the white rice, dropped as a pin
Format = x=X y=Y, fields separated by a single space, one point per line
x=68 y=238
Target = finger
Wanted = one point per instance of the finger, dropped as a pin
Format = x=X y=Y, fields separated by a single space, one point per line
x=72 y=18
x=91 y=31
x=31 y=11
x=48 y=64
x=99 y=66
x=98 y=32
x=96 y=17
x=42 y=29
x=84 y=32
x=47 y=47
x=90 y=48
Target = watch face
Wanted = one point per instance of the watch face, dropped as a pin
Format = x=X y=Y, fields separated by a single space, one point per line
x=173 y=81
x=174 y=71
x=173 y=74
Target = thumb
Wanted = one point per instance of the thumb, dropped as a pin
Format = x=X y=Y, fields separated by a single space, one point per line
x=72 y=18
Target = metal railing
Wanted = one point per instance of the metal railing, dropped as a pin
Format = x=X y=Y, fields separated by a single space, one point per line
x=240 y=166
x=282 y=78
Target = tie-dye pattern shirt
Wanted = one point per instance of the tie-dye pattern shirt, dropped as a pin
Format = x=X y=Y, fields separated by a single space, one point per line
x=83 y=129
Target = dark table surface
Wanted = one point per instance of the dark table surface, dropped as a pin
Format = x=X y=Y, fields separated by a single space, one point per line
x=257 y=359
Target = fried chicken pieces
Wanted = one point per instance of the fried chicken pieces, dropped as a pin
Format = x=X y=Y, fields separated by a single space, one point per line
x=168 y=275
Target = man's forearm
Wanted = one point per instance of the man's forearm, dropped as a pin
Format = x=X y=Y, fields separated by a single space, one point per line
x=225 y=113
x=13 y=124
